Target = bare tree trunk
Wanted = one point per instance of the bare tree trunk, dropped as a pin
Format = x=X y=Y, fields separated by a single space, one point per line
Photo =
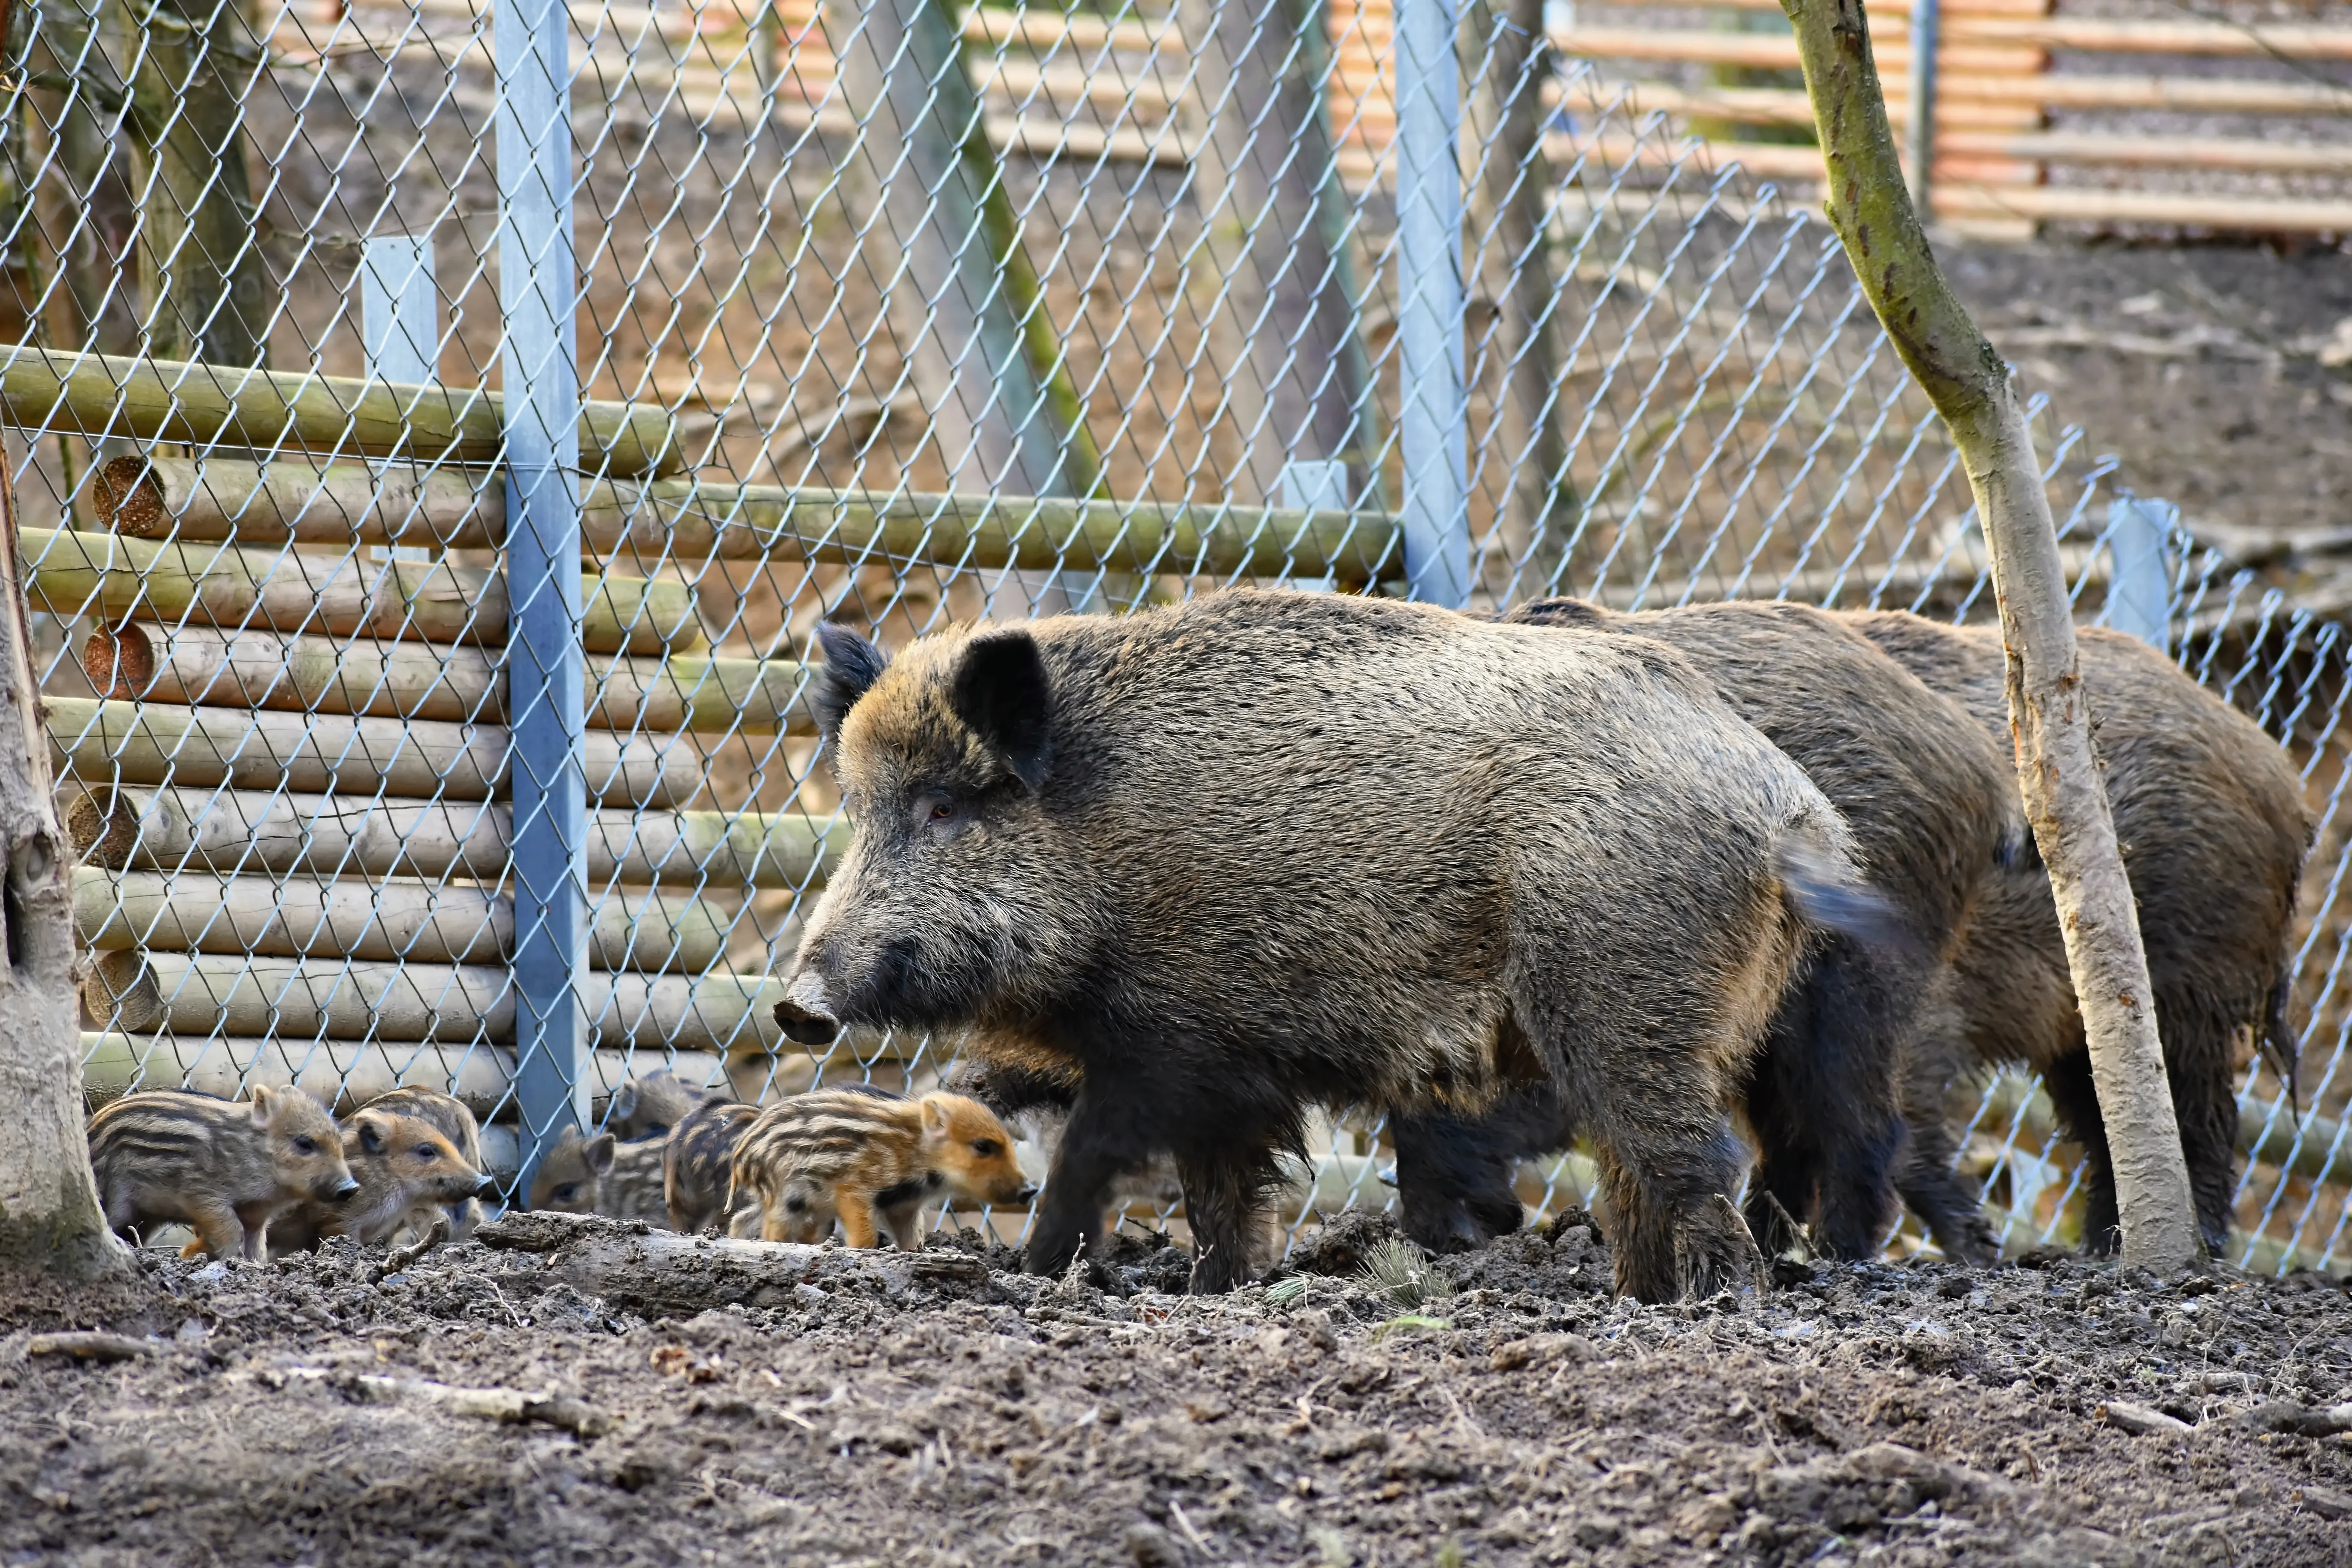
x=2049 y=711
x=201 y=266
x=1509 y=205
x=1297 y=381
x=998 y=397
x=49 y=1214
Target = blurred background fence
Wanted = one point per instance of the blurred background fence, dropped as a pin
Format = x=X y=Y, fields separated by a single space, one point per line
x=434 y=435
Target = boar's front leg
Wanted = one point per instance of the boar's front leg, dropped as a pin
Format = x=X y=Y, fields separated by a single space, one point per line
x=1221 y=1196
x=1110 y=1132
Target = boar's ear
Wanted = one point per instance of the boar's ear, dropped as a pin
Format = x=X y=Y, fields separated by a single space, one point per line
x=935 y=1115
x=1001 y=690
x=370 y=1132
x=262 y=1095
x=852 y=663
x=598 y=1152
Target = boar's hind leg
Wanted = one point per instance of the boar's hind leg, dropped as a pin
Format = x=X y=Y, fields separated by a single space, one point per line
x=1221 y=1198
x=1675 y=1229
x=1824 y=1107
x=2200 y=1060
x=2068 y=1080
x=1936 y=1192
x=1454 y=1174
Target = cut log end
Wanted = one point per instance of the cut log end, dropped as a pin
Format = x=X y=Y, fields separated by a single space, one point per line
x=119 y=662
x=121 y=993
x=131 y=499
x=104 y=828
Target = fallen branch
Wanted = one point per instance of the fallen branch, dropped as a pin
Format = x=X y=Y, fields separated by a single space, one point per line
x=2142 y=1422
x=634 y=1267
x=90 y=1344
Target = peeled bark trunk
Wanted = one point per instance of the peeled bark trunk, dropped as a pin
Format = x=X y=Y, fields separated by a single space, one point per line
x=50 y=1216
x=1283 y=308
x=1510 y=201
x=2049 y=714
x=201 y=265
x=965 y=303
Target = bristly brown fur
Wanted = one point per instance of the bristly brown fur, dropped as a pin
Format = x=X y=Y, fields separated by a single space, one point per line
x=863 y=1158
x=1932 y=805
x=226 y=1168
x=1296 y=849
x=698 y=1163
x=449 y=1116
x=407 y=1171
x=2210 y=815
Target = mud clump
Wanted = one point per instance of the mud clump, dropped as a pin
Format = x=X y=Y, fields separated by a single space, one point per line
x=475 y=1407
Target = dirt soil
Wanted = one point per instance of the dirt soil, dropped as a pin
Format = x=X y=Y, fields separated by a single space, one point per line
x=1897 y=1414
x=2219 y=375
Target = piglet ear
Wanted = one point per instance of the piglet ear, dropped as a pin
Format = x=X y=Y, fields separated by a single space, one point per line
x=934 y=1115
x=598 y=1151
x=851 y=664
x=262 y=1095
x=1002 y=691
x=370 y=1132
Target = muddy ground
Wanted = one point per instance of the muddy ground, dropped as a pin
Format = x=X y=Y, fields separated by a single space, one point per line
x=2219 y=374
x=1899 y=1414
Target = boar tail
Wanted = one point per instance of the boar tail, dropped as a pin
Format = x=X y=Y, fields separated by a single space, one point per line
x=1827 y=893
x=2279 y=1038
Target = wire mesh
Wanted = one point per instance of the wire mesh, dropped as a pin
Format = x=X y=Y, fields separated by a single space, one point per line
x=898 y=313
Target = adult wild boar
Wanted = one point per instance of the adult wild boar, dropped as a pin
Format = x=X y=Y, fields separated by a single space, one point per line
x=1932 y=804
x=2212 y=817
x=1229 y=859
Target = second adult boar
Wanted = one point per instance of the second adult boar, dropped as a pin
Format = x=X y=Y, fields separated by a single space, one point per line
x=1230 y=859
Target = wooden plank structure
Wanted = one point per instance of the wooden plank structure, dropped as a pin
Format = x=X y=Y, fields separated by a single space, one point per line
x=1997 y=84
x=293 y=811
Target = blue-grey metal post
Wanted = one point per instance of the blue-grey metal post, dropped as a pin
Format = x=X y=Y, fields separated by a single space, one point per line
x=399 y=326
x=1434 y=418
x=2139 y=569
x=1919 y=123
x=537 y=296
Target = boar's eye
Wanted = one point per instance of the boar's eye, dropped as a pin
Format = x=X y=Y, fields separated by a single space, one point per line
x=938 y=811
x=305 y=1145
x=426 y=1152
x=987 y=1148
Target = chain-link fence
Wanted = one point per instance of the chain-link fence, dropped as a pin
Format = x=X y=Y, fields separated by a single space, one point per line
x=436 y=435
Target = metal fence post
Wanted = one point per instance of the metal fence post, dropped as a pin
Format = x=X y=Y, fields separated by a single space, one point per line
x=1919 y=122
x=399 y=326
x=1434 y=415
x=400 y=309
x=538 y=284
x=1320 y=485
x=2139 y=571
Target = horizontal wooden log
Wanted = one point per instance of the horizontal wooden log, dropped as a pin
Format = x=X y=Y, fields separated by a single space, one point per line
x=2187 y=95
x=2243 y=154
x=2240 y=214
x=199 y=666
x=2104 y=35
x=1770 y=51
x=235 y=831
x=347 y=1075
x=658 y=1273
x=150 y=743
x=421 y=922
x=1774 y=106
x=297 y=999
x=110 y=578
x=319 y=416
x=687 y=520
